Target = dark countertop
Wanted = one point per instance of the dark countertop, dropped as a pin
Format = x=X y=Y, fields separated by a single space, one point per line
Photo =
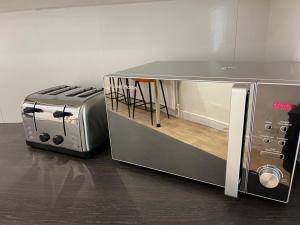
x=39 y=187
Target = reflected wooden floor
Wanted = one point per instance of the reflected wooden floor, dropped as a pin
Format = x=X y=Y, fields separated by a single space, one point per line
x=203 y=137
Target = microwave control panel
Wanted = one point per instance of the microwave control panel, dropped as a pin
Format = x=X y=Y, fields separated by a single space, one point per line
x=276 y=127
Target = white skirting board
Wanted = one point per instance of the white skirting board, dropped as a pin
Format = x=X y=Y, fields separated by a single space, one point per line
x=207 y=121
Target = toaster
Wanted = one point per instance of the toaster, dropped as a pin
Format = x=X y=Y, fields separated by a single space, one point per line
x=66 y=119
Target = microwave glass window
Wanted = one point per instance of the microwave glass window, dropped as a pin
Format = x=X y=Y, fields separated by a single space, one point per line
x=193 y=112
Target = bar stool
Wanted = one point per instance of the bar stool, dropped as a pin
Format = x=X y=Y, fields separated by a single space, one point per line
x=137 y=82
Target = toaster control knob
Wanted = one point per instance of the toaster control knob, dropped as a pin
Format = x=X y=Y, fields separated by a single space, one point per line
x=58 y=139
x=44 y=137
x=270 y=176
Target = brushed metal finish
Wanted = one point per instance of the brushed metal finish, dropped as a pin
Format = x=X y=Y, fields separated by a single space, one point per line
x=269 y=140
x=248 y=136
x=84 y=126
x=93 y=123
x=235 y=139
x=264 y=133
x=270 y=176
x=277 y=72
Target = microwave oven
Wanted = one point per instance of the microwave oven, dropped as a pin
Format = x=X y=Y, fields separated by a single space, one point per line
x=231 y=124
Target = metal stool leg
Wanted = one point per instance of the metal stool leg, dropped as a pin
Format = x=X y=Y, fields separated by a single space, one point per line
x=111 y=94
x=134 y=98
x=117 y=97
x=151 y=108
x=128 y=96
x=142 y=95
x=163 y=92
x=114 y=86
x=123 y=90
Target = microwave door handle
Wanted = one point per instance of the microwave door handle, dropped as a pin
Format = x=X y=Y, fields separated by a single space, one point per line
x=238 y=107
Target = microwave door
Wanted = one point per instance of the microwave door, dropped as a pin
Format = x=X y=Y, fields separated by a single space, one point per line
x=236 y=135
x=192 y=142
x=216 y=112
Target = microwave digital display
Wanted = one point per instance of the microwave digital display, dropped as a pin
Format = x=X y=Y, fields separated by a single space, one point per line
x=282 y=105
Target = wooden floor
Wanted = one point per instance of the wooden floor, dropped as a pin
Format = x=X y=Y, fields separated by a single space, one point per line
x=203 y=137
x=39 y=187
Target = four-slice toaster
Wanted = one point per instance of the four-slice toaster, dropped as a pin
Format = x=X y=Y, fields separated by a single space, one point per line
x=66 y=119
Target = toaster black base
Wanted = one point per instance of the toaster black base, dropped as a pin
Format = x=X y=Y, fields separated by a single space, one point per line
x=84 y=155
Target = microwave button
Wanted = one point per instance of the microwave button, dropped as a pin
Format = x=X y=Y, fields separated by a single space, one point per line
x=283 y=129
x=268 y=126
x=269 y=176
x=281 y=142
x=266 y=140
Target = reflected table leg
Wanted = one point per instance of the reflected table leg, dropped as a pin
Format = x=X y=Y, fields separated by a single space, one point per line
x=157 y=104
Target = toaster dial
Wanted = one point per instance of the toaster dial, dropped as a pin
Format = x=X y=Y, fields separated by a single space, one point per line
x=270 y=176
x=44 y=137
x=58 y=139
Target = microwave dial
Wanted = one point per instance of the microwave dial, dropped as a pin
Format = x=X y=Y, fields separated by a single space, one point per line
x=269 y=176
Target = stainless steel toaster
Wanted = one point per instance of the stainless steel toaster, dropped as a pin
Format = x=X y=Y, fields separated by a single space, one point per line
x=67 y=119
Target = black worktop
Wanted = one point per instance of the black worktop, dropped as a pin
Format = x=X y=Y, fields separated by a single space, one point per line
x=39 y=187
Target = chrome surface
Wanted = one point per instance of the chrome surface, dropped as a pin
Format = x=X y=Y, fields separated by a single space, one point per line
x=277 y=106
x=248 y=136
x=93 y=123
x=235 y=139
x=201 y=157
x=157 y=104
x=269 y=176
x=277 y=72
x=63 y=111
x=267 y=127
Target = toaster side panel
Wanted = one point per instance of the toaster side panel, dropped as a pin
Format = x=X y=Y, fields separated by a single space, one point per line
x=94 y=126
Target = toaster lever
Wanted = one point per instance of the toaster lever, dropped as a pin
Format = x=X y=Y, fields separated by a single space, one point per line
x=32 y=110
x=61 y=114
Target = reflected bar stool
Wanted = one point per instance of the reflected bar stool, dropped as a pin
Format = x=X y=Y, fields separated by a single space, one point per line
x=112 y=89
x=120 y=97
x=114 y=92
x=142 y=102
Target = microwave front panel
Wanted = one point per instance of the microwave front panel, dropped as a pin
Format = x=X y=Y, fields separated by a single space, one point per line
x=275 y=141
x=191 y=143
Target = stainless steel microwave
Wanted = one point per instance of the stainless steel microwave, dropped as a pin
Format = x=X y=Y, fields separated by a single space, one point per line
x=234 y=125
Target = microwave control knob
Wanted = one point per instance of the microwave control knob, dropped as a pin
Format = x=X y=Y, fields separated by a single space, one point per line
x=44 y=137
x=270 y=176
x=58 y=139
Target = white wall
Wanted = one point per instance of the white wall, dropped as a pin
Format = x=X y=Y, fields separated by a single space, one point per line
x=283 y=42
x=78 y=46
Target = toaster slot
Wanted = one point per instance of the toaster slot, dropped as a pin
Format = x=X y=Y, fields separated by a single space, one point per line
x=49 y=90
x=63 y=90
x=73 y=94
x=87 y=94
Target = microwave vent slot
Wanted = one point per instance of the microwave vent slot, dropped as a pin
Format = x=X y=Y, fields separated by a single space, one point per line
x=49 y=90
x=63 y=90
x=81 y=91
x=88 y=94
